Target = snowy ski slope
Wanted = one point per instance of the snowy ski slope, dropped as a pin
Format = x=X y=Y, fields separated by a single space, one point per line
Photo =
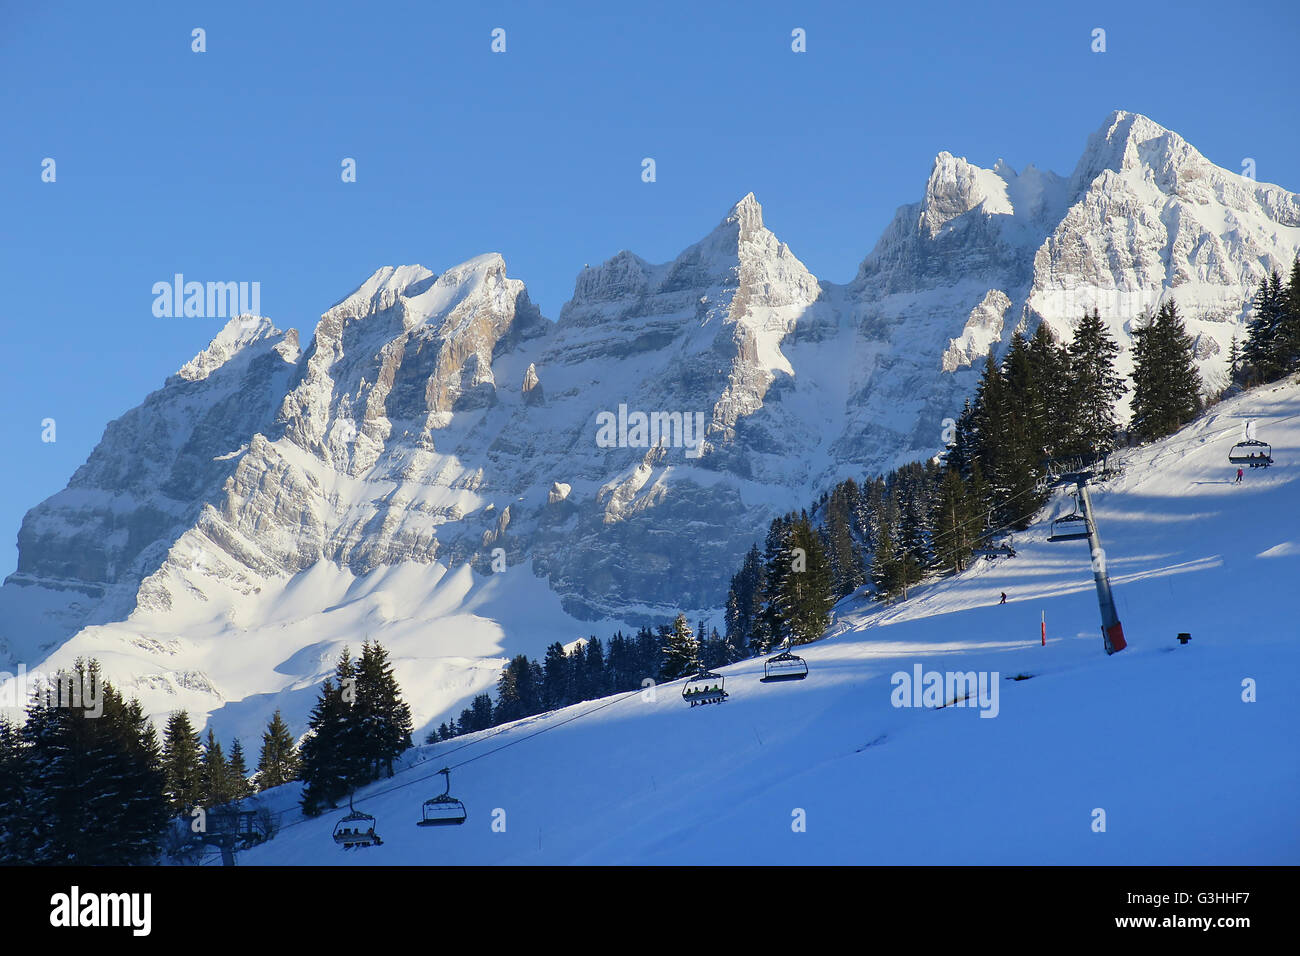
x=1157 y=736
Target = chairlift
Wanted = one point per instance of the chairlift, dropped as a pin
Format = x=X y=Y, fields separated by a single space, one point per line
x=356 y=829
x=1002 y=548
x=1071 y=527
x=443 y=810
x=704 y=688
x=1251 y=452
x=784 y=666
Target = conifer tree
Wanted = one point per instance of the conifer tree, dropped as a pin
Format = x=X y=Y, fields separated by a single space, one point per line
x=649 y=651
x=714 y=650
x=681 y=652
x=237 y=772
x=556 y=678
x=519 y=691
x=383 y=718
x=593 y=658
x=955 y=523
x=1094 y=387
x=988 y=428
x=480 y=714
x=1166 y=385
x=1184 y=379
x=507 y=706
x=334 y=760
x=843 y=537
x=887 y=573
x=1051 y=402
x=1267 y=344
x=320 y=769
x=745 y=602
x=776 y=565
x=216 y=775
x=961 y=451
x=914 y=530
x=278 y=762
x=981 y=500
x=1021 y=444
x=465 y=723
x=182 y=763
x=806 y=597
x=577 y=671
x=622 y=668
x=1289 y=333
x=95 y=789
x=15 y=809
x=141 y=782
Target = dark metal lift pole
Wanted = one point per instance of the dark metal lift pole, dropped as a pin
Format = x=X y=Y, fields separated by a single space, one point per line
x=1112 y=632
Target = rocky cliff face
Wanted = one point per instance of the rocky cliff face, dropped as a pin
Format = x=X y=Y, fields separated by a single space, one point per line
x=439 y=421
x=146 y=482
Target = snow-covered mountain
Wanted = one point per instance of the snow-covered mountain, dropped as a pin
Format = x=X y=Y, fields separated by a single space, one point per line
x=435 y=469
x=1143 y=218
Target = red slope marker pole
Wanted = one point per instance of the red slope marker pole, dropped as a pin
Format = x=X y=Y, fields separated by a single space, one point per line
x=1044 y=628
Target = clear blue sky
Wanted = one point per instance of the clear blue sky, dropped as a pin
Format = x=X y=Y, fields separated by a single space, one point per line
x=225 y=165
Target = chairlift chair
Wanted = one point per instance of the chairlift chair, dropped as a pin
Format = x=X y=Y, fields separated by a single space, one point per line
x=443 y=810
x=1066 y=529
x=1005 y=548
x=1251 y=452
x=356 y=829
x=784 y=666
x=704 y=688
x=1071 y=527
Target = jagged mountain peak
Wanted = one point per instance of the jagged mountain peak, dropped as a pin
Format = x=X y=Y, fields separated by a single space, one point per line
x=1129 y=141
x=956 y=187
x=613 y=278
x=739 y=241
x=409 y=346
x=484 y=274
x=747 y=213
x=381 y=290
x=421 y=292
x=236 y=336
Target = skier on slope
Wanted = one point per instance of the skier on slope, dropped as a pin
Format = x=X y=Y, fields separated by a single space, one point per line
x=1239 y=474
x=1004 y=598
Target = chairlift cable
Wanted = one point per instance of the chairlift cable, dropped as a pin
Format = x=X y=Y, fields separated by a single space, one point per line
x=395 y=787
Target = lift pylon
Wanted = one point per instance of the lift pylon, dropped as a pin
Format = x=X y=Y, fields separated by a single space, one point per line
x=1112 y=632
